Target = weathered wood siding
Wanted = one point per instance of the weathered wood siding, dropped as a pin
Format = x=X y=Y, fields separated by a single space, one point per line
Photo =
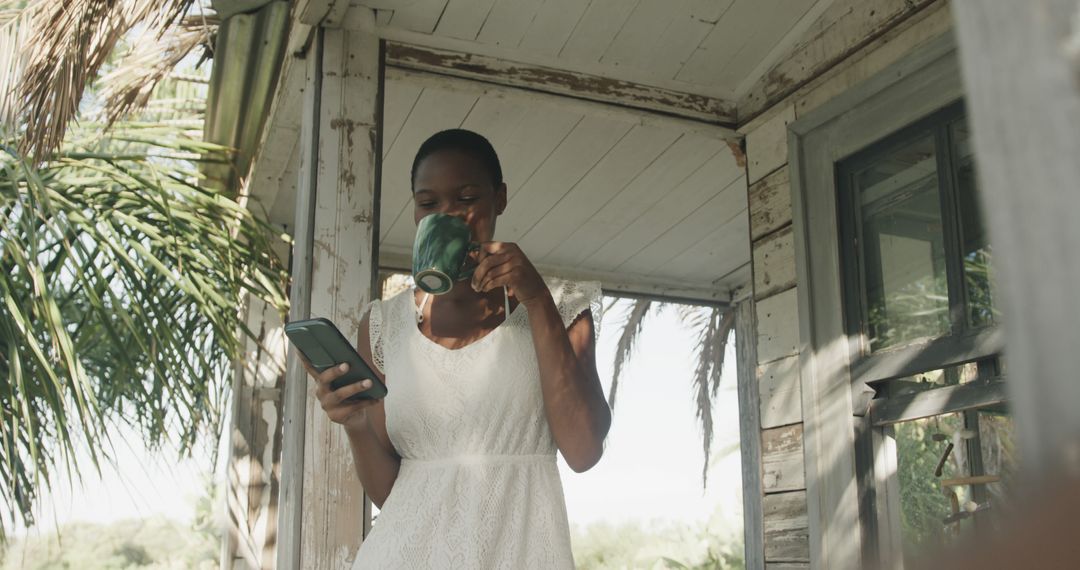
x=850 y=41
x=255 y=443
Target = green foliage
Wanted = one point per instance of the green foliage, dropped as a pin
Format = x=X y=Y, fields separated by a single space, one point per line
x=120 y=287
x=923 y=504
x=151 y=544
x=716 y=545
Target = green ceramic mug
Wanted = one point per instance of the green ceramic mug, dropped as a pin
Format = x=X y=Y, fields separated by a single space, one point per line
x=441 y=253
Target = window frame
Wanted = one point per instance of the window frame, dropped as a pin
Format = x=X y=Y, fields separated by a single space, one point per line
x=841 y=440
x=963 y=343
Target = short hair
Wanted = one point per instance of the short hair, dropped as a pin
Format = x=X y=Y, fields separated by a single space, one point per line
x=461 y=140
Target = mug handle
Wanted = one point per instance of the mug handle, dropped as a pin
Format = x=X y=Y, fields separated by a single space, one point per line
x=467 y=273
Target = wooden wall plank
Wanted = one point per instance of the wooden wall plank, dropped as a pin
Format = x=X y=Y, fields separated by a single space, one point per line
x=462 y=19
x=633 y=154
x=507 y=22
x=686 y=156
x=727 y=206
x=590 y=141
x=782 y=459
x=780 y=392
x=680 y=202
x=770 y=203
x=778 y=326
x=786 y=531
x=598 y=26
x=767 y=146
x=552 y=26
x=774 y=263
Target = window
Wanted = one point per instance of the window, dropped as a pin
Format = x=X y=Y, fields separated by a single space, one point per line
x=917 y=258
x=922 y=328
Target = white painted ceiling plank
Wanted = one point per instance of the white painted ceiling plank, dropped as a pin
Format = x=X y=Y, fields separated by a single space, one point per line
x=717 y=255
x=398 y=101
x=496 y=118
x=640 y=36
x=727 y=37
x=784 y=16
x=597 y=28
x=552 y=26
x=536 y=136
x=709 y=10
x=782 y=47
x=383 y=17
x=589 y=142
x=677 y=43
x=720 y=209
x=435 y=111
x=463 y=19
x=634 y=153
x=678 y=163
x=507 y=22
x=419 y=16
x=675 y=205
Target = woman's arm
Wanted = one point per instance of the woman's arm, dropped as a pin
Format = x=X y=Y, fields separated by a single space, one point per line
x=574 y=403
x=573 y=398
x=376 y=461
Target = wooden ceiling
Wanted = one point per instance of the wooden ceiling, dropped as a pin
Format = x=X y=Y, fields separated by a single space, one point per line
x=613 y=119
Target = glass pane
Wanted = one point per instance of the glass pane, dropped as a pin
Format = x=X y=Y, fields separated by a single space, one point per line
x=924 y=504
x=903 y=246
x=951 y=376
x=975 y=244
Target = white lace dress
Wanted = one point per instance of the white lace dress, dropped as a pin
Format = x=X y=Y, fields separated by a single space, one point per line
x=478 y=485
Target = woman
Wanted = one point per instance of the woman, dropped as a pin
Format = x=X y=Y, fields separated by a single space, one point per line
x=485 y=382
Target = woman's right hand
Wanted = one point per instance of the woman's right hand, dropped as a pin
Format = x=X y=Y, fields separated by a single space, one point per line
x=352 y=415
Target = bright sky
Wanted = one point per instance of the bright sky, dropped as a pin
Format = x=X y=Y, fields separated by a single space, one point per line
x=651 y=468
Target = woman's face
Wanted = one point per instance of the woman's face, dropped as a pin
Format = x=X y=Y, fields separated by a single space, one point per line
x=456 y=183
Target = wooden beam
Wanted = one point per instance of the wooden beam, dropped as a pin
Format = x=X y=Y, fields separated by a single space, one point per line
x=560 y=81
x=1023 y=91
x=843 y=29
x=937 y=401
x=613 y=284
x=749 y=434
x=323 y=511
x=434 y=80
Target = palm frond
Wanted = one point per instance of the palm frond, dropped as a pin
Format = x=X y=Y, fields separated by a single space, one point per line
x=714 y=328
x=62 y=51
x=128 y=87
x=118 y=299
x=635 y=318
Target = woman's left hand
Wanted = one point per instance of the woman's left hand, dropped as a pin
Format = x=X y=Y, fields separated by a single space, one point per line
x=504 y=264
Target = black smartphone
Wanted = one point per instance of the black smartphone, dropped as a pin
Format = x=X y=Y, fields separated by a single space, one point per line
x=324 y=346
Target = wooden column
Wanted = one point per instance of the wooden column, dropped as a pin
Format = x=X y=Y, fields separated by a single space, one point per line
x=323 y=506
x=749 y=433
x=1023 y=90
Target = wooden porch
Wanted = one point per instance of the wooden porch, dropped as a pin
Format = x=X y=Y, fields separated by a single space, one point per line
x=599 y=110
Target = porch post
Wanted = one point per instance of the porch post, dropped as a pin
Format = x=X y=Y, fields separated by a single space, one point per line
x=323 y=514
x=1021 y=68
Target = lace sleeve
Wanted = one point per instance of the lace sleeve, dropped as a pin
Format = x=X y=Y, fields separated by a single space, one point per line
x=573 y=298
x=375 y=334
